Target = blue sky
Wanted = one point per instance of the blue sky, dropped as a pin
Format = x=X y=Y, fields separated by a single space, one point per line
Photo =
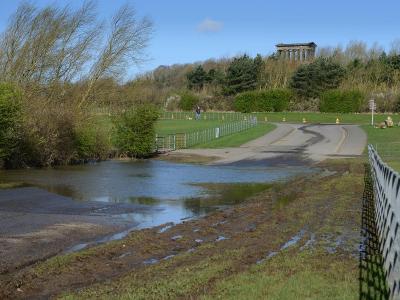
x=189 y=31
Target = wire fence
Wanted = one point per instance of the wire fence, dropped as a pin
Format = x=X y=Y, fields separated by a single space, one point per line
x=386 y=183
x=176 y=141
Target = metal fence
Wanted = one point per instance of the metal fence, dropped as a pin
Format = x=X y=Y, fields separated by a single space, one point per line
x=221 y=116
x=186 y=140
x=387 y=206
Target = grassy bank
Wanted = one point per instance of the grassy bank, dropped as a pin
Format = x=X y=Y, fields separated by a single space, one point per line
x=285 y=242
x=240 y=138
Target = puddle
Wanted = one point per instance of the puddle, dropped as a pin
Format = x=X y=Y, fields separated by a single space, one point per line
x=125 y=254
x=150 y=261
x=176 y=237
x=333 y=249
x=169 y=257
x=166 y=228
x=221 y=238
x=109 y=238
x=310 y=243
x=294 y=240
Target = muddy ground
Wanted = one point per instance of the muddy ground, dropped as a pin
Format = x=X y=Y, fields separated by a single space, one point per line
x=279 y=236
x=36 y=224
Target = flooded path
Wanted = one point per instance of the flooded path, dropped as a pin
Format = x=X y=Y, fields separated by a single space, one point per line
x=158 y=191
x=68 y=208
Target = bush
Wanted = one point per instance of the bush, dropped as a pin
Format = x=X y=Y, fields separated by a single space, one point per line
x=270 y=100
x=274 y=100
x=10 y=121
x=93 y=141
x=135 y=134
x=341 y=101
x=50 y=135
x=246 y=102
x=188 y=101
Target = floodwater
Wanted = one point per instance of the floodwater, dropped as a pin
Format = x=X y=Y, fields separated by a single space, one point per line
x=172 y=192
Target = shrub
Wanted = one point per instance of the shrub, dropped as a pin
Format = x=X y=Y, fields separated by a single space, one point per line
x=10 y=120
x=93 y=141
x=188 y=101
x=50 y=134
x=269 y=100
x=274 y=100
x=135 y=134
x=341 y=101
x=246 y=102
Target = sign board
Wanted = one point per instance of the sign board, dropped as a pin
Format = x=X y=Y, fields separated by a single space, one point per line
x=372 y=104
x=372 y=107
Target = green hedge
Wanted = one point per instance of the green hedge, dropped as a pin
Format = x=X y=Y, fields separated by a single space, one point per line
x=341 y=101
x=268 y=100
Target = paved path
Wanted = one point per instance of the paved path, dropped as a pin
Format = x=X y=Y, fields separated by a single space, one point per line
x=292 y=144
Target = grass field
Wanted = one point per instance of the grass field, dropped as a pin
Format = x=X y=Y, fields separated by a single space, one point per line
x=387 y=142
x=312 y=117
x=297 y=117
x=164 y=127
x=240 y=138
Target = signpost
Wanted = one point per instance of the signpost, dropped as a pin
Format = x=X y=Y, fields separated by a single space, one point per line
x=372 y=107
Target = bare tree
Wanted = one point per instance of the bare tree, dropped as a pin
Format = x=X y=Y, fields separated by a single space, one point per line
x=52 y=46
x=124 y=46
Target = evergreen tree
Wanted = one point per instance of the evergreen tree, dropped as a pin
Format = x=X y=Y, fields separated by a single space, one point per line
x=311 y=80
x=197 y=78
x=242 y=74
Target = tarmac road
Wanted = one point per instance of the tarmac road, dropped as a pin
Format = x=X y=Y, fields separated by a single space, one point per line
x=292 y=144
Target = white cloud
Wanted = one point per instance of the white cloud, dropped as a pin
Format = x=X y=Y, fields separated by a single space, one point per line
x=209 y=25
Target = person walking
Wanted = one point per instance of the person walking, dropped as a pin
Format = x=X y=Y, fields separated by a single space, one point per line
x=198 y=111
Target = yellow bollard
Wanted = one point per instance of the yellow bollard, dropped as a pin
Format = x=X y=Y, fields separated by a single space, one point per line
x=337 y=121
x=266 y=119
x=172 y=116
x=304 y=120
x=223 y=117
x=284 y=119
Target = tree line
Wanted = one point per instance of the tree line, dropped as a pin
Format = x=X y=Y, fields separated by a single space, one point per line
x=355 y=71
x=58 y=66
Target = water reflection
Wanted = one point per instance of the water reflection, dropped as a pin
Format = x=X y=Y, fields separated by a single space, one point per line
x=176 y=191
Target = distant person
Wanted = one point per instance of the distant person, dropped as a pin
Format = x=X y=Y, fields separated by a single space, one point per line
x=198 y=111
